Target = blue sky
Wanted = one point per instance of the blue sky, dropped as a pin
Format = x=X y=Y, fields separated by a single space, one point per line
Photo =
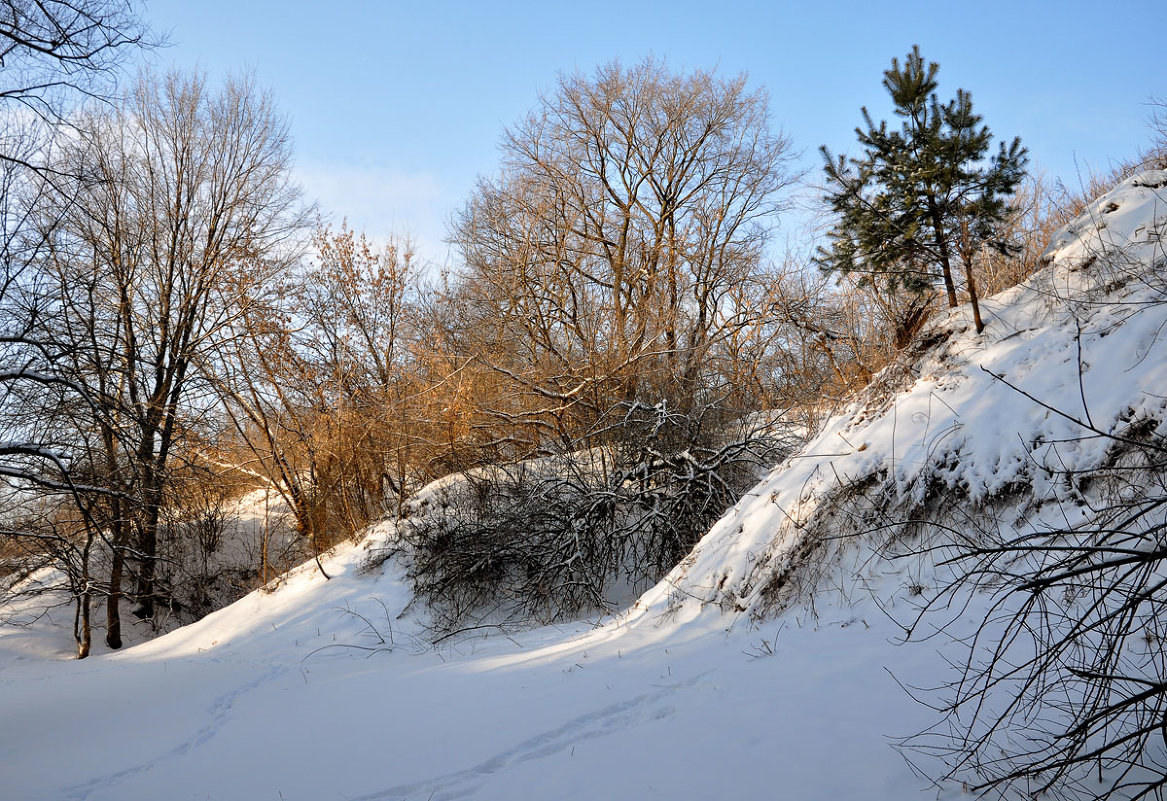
x=396 y=107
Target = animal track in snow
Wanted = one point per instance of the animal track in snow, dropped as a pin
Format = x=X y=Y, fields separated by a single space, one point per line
x=616 y=717
x=219 y=713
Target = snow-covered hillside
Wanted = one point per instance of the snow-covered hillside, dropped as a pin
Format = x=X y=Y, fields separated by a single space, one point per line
x=968 y=419
x=768 y=665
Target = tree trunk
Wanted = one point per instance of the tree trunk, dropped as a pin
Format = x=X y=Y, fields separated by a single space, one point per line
x=967 y=258
x=147 y=544
x=972 y=293
x=148 y=550
x=305 y=523
x=83 y=629
x=119 y=538
x=151 y=465
x=113 y=614
x=942 y=249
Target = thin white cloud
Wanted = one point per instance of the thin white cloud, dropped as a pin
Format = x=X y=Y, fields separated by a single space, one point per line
x=381 y=201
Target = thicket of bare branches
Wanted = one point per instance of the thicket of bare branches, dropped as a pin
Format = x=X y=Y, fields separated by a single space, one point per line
x=551 y=538
x=1063 y=688
x=55 y=54
x=321 y=391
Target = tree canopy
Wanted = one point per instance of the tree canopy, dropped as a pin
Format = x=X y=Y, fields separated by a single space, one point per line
x=923 y=197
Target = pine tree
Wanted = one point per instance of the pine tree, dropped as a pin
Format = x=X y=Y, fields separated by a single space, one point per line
x=924 y=197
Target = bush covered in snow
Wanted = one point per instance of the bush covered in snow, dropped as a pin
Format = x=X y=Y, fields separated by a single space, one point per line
x=550 y=538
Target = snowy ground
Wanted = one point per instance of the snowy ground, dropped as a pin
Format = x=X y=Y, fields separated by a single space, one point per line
x=246 y=705
x=329 y=689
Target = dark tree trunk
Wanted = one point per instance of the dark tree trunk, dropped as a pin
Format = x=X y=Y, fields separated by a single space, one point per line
x=942 y=249
x=148 y=548
x=113 y=613
x=972 y=293
x=967 y=257
x=84 y=629
x=147 y=541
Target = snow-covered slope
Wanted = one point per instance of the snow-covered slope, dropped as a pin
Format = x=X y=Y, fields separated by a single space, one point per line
x=327 y=689
x=967 y=419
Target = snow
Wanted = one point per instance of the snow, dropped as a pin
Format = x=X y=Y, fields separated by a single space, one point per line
x=330 y=689
x=246 y=704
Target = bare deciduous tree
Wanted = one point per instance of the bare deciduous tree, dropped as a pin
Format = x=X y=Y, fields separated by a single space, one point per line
x=622 y=244
x=613 y=306
x=169 y=209
x=55 y=54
